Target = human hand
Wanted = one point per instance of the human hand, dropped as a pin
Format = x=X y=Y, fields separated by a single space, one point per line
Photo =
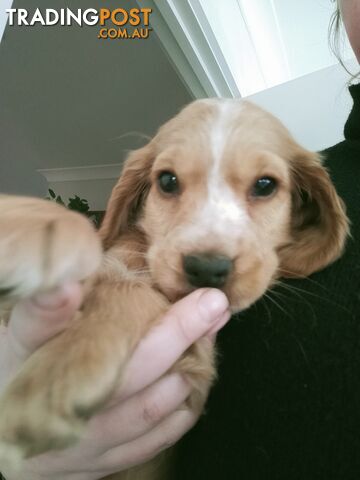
x=144 y=417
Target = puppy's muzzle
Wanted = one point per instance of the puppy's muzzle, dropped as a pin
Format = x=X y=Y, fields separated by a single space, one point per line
x=206 y=270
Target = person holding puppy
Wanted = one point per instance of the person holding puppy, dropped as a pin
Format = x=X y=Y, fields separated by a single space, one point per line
x=286 y=405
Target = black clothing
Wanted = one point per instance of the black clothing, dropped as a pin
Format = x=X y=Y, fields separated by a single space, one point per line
x=287 y=402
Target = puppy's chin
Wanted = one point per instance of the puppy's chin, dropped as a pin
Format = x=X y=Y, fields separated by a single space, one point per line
x=235 y=304
x=173 y=294
x=240 y=296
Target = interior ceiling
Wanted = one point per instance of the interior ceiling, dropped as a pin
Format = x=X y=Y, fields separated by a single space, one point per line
x=66 y=97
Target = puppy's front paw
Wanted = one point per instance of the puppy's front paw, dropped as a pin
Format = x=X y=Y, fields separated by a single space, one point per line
x=60 y=386
x=42 y=245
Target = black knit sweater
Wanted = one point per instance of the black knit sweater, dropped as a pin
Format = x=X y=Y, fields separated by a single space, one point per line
x=287 y=402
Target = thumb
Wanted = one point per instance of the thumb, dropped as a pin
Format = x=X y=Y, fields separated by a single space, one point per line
x=201 y=313
x=36 y=320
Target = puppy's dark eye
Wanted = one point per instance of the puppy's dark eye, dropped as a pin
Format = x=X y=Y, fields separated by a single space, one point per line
x=264 y=187
x=168 y=182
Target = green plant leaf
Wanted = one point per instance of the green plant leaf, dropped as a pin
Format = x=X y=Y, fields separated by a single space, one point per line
x=78 y=204
x=59 y=200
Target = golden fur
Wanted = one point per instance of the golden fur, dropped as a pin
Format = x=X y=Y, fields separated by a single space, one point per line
x=215 y=147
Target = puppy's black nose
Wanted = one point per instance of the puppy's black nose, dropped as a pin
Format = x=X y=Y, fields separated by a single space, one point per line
x=207 y=270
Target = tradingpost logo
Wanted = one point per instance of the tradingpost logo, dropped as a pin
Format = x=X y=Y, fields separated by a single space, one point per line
x=119 y=23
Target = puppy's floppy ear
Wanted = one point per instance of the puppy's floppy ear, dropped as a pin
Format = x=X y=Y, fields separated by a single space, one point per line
x=319 y=223
x=128 y=195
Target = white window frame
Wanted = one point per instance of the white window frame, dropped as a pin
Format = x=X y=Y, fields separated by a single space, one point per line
x=187 y=37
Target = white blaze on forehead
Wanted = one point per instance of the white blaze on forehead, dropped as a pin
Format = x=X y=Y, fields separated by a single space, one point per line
x=221 y=199
x=219 y=132
x=221 y=212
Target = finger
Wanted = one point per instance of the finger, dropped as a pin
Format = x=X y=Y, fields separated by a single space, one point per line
x=139 y=414
x=36 y=320
x=166 y=434
x=186 y=321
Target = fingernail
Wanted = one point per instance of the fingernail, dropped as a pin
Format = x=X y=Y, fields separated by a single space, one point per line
x=221 y=322
x=215 y=304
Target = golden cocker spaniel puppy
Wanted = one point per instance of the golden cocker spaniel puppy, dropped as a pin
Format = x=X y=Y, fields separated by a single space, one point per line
x=221 y=197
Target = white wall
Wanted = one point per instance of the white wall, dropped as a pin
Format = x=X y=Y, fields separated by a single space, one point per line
x=303 y=26
x=314 y=107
